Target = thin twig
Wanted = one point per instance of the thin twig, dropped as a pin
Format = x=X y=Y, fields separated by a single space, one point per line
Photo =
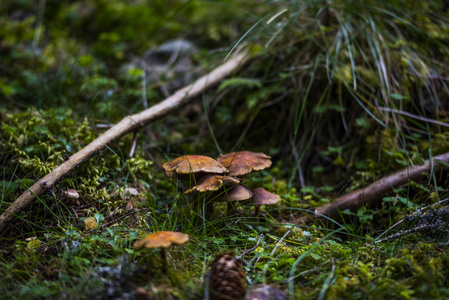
x=100 y=126
x=100 y=229
x=144 y=85
x=374 y=192
x=417 y=212
x=128 y=124
x=206 y=288
x=298 y=164
x=413 y=116
x=252 y=249
x=133 y=145
x=38 y=27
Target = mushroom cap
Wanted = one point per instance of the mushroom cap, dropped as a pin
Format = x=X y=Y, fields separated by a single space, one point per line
x=193 y=164
x=162 y=239
x=244 y=162
x=237 y=193
x=71 y=193
x=212 y=182
x=263 y=197
x=192 y=177
x=132 y=191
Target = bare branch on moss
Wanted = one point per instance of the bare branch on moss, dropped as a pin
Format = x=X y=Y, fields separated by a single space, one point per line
x=373 y=193
x=128 y=124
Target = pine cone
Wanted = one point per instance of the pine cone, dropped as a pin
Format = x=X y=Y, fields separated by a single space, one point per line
x=227 y=279
x=266 y=292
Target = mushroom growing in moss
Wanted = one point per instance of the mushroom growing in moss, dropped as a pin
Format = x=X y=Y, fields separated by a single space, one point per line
x=71 y=193
x=212 y=182
x=188 y=164
x=162 y=240
x=237 y=193
x=72 y=196
x=244 y=162
x=263 y=197
x=190 y=167
x=205 y=172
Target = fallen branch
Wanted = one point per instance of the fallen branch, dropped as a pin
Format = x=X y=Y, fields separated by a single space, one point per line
x=128 y=124
x=373 y=193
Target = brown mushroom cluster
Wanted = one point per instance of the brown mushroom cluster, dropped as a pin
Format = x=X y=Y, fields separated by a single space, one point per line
x=222 y=178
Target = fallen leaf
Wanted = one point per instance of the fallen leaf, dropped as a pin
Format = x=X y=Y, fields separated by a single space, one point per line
x=91 y=223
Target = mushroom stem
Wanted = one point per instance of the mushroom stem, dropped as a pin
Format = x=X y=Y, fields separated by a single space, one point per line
x=209 y=208
x=257 y=211
x=164 y=260
x=231 y=208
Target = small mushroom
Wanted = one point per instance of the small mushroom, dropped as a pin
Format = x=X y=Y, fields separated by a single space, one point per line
x=212 y=182
x=237 y=193
x=193 y=164
x=71 y=193
x=244 y=162
x=263 y=197
x=130 y=196
x=132 y=191
x=72 y=196
x=162 y=240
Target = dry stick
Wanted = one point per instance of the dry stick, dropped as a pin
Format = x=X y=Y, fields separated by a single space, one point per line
x=374 y=192
x=133 y=145
x=252 y=249
x=128 y=124
x=417 y=212
x=413 y=116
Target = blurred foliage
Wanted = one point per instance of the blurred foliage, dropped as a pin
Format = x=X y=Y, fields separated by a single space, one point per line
x=330 y=73
x=70 y=54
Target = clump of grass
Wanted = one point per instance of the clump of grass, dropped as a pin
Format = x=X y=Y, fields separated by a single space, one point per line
x=336 y=73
